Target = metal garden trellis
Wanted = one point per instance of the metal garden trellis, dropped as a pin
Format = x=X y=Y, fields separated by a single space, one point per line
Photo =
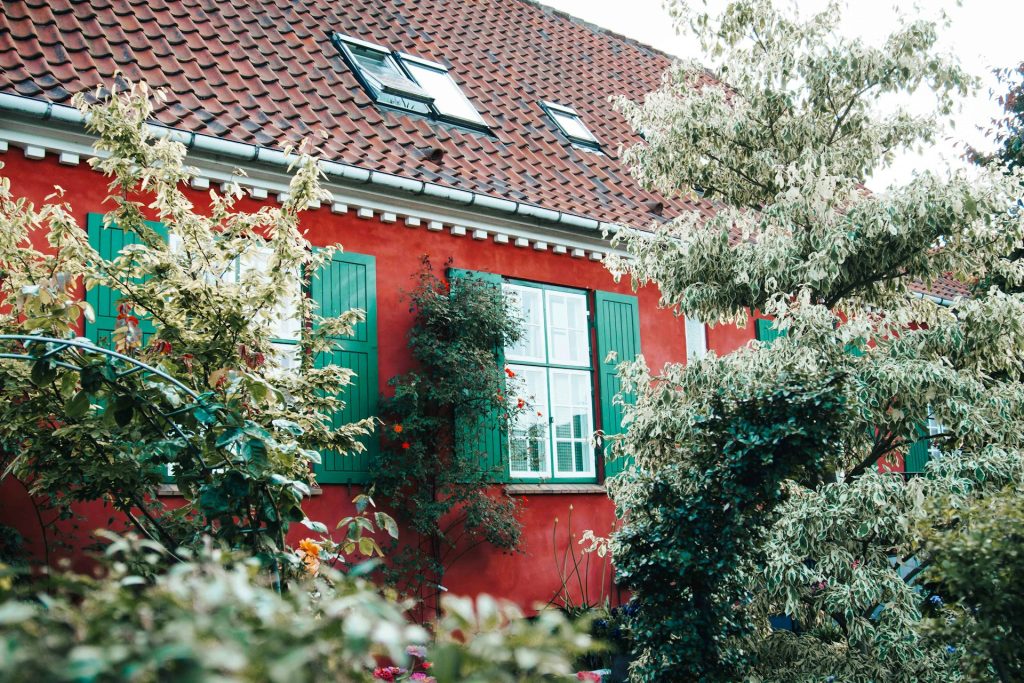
x=55 y=347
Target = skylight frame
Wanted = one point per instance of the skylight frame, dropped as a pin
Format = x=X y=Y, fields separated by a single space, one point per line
x=554 y=110
x=406 y=60
x=418 y=100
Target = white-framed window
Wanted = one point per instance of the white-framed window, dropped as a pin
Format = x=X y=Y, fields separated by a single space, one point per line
x=284 y=317
x=696 y=339
x=935 y=428
x=408 y=82
x=552 y=362
x=569 y=122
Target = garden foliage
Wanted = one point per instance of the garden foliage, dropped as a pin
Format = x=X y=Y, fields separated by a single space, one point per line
x=215 y=617
x=238 y=432
x=781 y=134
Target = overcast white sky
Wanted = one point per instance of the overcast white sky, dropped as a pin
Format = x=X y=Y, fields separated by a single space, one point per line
x=983 y=34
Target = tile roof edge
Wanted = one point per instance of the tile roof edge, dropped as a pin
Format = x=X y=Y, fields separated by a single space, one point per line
x=45 y=111
x=595 y=28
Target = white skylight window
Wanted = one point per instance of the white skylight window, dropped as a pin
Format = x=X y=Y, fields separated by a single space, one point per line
x=449 y=101
x=569 y=122
x=408 y=82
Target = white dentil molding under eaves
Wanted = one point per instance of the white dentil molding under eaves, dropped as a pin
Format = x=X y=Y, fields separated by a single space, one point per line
x=265 y=183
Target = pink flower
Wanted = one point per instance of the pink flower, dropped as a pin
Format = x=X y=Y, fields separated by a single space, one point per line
x=417 y=651
x=588 y=676
x=386 y=673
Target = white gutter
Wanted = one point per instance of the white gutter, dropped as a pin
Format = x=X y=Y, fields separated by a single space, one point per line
x=48 y=111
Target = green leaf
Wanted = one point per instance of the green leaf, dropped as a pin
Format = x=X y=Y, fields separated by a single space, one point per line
x=124 y=409
x=43 y=373
x=78 y=405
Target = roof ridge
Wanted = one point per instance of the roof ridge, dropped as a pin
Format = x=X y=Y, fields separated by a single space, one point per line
x=596 y=28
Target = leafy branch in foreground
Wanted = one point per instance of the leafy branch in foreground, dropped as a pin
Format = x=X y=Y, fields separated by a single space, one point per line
x=782 y=137
x=200 y=298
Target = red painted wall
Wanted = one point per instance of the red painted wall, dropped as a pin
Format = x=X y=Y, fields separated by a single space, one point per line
x=529 y=576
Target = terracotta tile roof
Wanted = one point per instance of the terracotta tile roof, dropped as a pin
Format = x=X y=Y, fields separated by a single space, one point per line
x=266 y=73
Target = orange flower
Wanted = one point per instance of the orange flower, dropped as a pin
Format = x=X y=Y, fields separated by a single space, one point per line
x=508 y=371
x=540 y=414
x=398 y=429
x=405 y=445
x=310 y=550
x=520 y=404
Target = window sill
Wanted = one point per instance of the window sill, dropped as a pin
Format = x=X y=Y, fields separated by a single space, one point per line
x=553 y=489
x=171 y=491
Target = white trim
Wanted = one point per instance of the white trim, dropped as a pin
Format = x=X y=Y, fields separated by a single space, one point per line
x=562 y=108
x=69 y=159
x=425 y=62
x=364 y=213
x=407 y=198
x=412 y=222
x=362 y=43
x=35 y=152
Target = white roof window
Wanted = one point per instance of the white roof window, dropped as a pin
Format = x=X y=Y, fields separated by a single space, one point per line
x=407 y=82
x=571 y=125
x=449 y=100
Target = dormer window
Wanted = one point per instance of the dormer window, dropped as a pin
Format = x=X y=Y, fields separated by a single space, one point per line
x=571 y=125
x=407 y=82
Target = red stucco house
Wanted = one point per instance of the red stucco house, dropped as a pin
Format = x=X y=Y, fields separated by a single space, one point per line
x=479 y=132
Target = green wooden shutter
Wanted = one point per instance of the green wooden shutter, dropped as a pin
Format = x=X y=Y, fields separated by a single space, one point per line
x=345 y=282
x=918 y=454
x=766 y=333
x=618 y=330
x=483 y=435
x=108 y=242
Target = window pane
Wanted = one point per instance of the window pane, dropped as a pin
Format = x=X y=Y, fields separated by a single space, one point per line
x=571 y=125
x=390 y=84
x=528 y=304
x=572 y=415
x=696 y=339
x=528 y=452
x=283 y=318
x=448 y=97
x=568 y=337
x=380 y=65
x=287 y=356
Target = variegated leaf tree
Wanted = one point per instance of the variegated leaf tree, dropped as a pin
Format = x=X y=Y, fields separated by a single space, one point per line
x=97 y=429
x=776 y=454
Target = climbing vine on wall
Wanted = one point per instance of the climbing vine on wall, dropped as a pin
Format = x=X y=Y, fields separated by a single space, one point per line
x=430 y=470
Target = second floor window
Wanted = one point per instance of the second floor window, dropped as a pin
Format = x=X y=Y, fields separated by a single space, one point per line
x=551 y=440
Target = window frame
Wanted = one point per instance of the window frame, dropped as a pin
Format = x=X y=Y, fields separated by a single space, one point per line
x=697 y=342
x=400 y=59
x=550 y=474
x=553 y=110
